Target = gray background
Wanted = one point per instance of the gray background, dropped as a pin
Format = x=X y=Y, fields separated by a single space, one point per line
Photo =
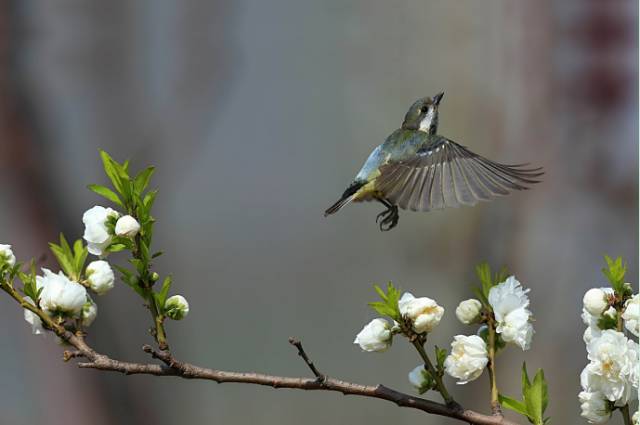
x=257 y=115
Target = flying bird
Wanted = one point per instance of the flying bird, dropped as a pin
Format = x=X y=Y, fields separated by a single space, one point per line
x=417 y=169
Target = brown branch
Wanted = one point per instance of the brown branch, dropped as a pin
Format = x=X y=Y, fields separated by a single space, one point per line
x=173 y=367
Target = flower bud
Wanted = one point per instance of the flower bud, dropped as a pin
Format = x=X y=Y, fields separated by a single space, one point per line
x=61 y=295
x=154 y=277
x=33 y=319
x=375 y=336
x=89 y=312
x=595 y=301
x=6 y=255
x=420 y=379
x=468 y=311
x=176 y=307
x=127 y=226
x=100 y=277
x=424 y=313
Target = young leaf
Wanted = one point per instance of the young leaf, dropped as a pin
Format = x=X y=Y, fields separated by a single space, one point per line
x=535 y=395
x=106 y=193
x=614 y=272
x=441 y=355
x=64 y=256
x=161 y=297
x=80 y=253
x=513 y=404
x=389 y=304
x=142 y=179
x=149 y=200
x=110 y=170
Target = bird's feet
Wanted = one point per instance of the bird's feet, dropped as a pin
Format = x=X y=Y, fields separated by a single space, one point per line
x=388 y=219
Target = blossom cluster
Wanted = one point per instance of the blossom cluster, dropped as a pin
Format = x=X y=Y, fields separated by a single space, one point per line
x=504 y=306
x=610 y=379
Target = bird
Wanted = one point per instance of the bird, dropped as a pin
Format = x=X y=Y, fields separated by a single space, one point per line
x=419 y=170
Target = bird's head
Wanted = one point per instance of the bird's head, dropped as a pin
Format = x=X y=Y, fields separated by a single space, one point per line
x=423 y=114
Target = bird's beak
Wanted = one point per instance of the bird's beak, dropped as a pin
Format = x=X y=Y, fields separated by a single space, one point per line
x=437 y=98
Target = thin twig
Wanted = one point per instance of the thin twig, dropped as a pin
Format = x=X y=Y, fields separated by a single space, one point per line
x=295 y=342
x=496 y=409
x=418 y=343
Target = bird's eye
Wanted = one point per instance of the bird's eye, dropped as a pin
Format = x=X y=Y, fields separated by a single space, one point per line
x=424 y=109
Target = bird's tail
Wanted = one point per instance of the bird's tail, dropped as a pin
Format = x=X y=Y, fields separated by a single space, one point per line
x=339 y=204
x=346 y=197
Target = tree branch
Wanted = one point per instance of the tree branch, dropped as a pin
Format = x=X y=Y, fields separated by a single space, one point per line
x=173 y=367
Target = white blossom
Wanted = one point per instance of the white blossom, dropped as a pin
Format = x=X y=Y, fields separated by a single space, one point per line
x=418 y=378
x=89 y=312
x=96 y=232
x=59 y=294
x=127 y=226
x=176 y=307
x=33 y=319
x=631 y=315
x=509 y=302
x=6 y=254
x=424 y=313
x=468 y=311
x=595 y=301
x=468 y=358
x=375 y=336
x=613 y=367
x=100 y=276
x=595 y=408
x=636 y=418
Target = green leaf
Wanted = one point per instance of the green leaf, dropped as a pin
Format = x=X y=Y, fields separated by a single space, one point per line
x=65 y=257
x=607 y=322
x=111 y=171
x=382 y=308
x=80 y=253
x=116 y=247
x=161 y=297
x=535 y=395
x=615 y=272
x=106 y=193
x=142 y=179
x=149 y=200
x=513 y=404
x=441 y=355
x=389 y=304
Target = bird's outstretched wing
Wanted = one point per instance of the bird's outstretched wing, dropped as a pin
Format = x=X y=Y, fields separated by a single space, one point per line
x=446 y=174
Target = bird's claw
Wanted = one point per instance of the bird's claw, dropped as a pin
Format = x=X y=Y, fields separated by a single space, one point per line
x=389 y=218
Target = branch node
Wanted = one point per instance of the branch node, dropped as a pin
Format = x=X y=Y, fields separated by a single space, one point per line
x=71 y=354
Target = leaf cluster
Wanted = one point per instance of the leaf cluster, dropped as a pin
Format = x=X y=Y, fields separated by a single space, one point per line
x=71 y=260
x=535 y=398
x=389 y=304
x=615 y=272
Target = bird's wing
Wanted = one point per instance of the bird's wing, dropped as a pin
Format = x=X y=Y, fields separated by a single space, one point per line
x=446 y=174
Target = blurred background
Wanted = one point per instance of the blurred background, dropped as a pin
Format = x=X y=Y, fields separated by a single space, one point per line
x=257 y=115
